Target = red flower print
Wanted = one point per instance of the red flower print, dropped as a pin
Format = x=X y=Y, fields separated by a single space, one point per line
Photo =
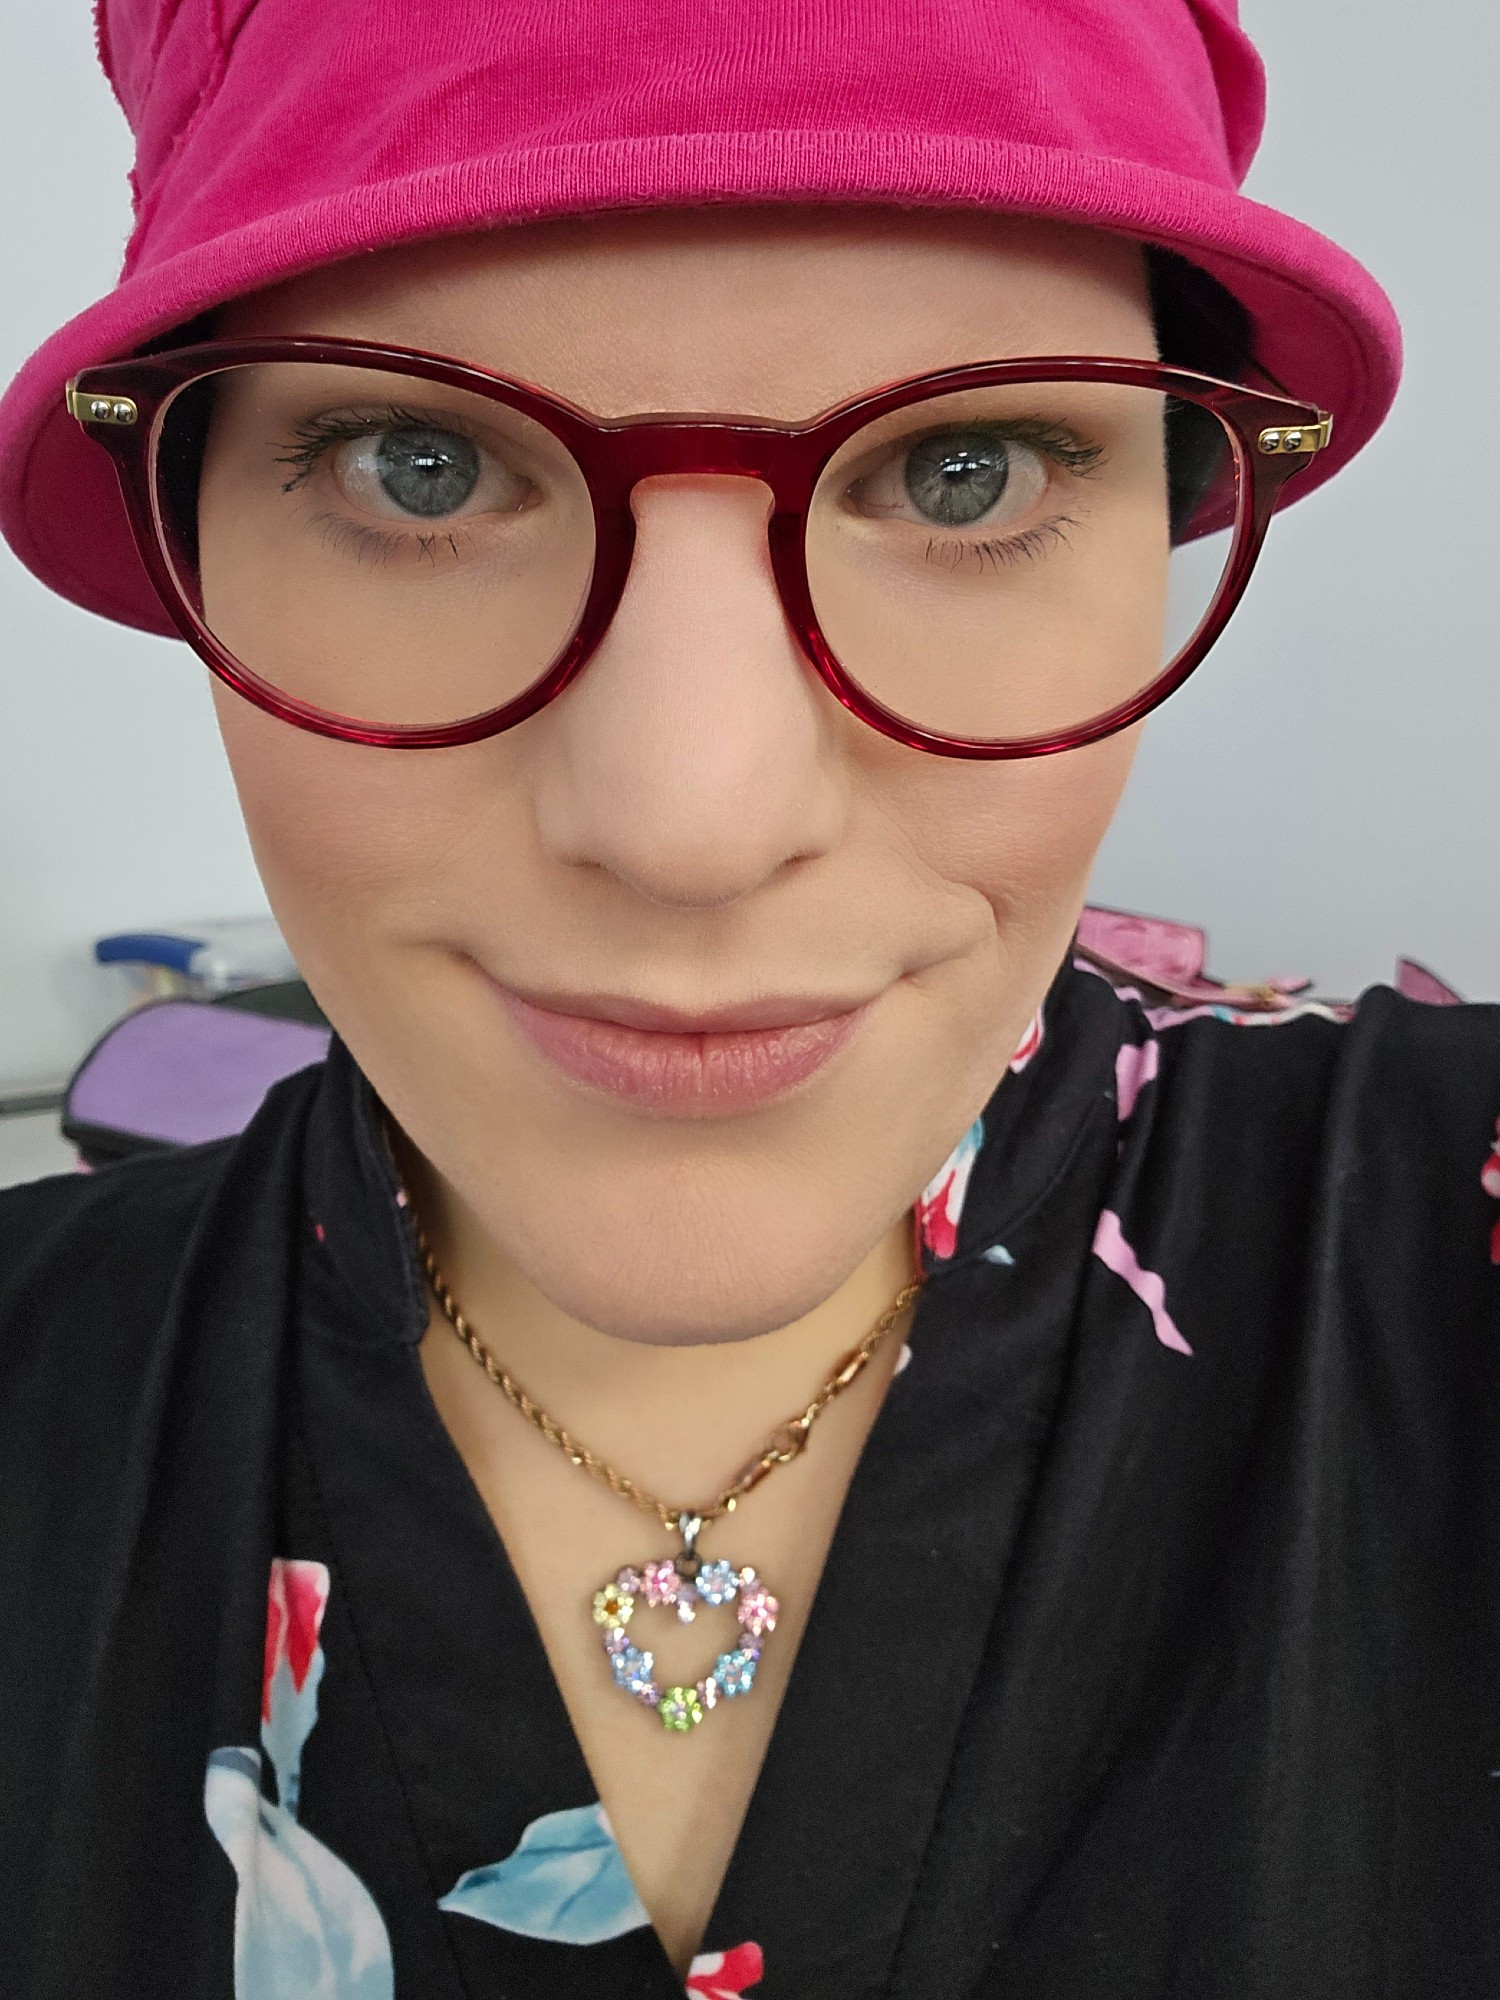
x=725 y=1975
x=941 y=1203
x=1031 y=1041
x=296 y=1598
x=1489 y=1180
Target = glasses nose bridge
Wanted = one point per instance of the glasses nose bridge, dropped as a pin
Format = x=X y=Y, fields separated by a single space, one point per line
x=700 y=445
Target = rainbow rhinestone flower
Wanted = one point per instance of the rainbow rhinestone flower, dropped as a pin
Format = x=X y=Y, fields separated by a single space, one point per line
x=757 y=1608
x=613 y=1607
x=681 y=1708
x=735 y=1672
x=716 y=1582
x=632 y=1669
x=684 y=1585
x=662 y=1582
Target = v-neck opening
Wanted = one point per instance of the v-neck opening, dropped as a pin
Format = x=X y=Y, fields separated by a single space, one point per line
x=473 y=1715
x=865 y=1731
x=829 y=1851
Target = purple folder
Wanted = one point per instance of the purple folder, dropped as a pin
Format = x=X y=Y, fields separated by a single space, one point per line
x=178 y=1072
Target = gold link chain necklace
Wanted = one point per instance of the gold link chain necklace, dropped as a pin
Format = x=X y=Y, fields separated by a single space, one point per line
x=685 y=1582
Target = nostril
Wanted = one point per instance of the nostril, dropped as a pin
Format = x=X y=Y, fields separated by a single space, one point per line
x=679 y=853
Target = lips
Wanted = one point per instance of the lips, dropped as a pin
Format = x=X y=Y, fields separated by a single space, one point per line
x=657 y=1059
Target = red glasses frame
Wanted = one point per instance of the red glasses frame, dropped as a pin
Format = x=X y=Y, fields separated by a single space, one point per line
x=122 y=404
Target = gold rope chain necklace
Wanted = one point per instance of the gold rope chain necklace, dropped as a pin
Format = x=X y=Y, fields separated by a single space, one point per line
x=684 y=1582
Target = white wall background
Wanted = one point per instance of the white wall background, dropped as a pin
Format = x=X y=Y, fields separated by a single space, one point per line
x=1323 y=795
x=116 y=809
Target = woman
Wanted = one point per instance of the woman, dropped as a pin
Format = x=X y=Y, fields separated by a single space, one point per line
x=688 y=516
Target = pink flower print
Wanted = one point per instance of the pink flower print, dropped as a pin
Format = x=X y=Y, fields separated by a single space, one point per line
x=1030 y=1042
x=941 y=1203
x=1489 y=1180
x=725 y=1975
x=1136 y=1065
x=1111 y=1249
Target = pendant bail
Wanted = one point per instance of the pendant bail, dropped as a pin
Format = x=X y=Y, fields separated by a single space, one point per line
x=689 y=1526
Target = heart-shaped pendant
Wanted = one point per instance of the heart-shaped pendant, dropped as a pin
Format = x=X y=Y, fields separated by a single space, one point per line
x=681 y=1583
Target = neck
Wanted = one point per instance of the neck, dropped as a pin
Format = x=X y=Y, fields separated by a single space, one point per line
x=682 y=1420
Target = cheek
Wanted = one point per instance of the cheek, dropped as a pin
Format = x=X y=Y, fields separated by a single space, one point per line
x=1020 y=836
x=308 y=813
x=344 y=836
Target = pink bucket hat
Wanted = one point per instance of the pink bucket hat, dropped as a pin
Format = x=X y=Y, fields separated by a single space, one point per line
x=274 y=136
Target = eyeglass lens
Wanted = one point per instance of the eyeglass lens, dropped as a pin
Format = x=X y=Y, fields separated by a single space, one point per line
x=994 y=564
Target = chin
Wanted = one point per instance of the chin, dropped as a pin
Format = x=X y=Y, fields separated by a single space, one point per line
x=646 y=1267
x=684 y=1230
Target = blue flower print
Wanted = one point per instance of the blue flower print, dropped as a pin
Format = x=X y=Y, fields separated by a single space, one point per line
x=304 y=1923
x=566 y=1882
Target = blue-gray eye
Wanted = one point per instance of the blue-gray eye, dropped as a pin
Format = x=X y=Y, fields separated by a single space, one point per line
x=426 y=472
x=956 y=477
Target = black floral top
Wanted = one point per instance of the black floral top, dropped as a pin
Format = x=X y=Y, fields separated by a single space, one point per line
x=1157 y=1652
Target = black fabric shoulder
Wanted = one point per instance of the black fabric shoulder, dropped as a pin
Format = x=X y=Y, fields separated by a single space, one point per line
x=143 y=1318
x=79 y=1240
x=1384 y=1122
x=1236 y=1727
x=1281 y=1172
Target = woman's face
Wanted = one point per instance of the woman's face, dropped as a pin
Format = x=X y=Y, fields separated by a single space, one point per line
x=688 y=984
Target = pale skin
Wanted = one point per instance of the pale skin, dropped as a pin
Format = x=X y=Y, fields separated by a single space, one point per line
x=695 y=823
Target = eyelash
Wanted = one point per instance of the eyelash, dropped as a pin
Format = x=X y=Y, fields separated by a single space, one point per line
x=1027 y=547
x=374 y=546
x=1052 y=441
x=1064 y=448
x=314 y=439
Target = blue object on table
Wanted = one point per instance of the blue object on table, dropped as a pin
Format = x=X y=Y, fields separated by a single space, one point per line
x=164 y=948
x=208 y=959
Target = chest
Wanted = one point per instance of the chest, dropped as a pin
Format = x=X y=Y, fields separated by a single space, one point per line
x=676 y=1799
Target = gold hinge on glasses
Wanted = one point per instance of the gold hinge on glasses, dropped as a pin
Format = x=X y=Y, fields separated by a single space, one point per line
x=1296 y=438
x=100 y=409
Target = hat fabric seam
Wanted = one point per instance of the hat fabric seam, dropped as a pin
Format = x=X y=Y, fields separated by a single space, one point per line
x=208 y=90
x=104 y=51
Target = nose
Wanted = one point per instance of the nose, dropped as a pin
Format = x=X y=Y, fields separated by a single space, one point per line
x=697 y=755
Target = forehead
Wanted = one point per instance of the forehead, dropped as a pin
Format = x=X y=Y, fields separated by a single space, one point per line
x=770 y=312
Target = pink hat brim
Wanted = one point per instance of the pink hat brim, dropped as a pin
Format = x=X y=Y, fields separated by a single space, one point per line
x=1324 y=328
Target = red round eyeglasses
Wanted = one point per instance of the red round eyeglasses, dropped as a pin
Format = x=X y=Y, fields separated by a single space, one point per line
x=427 y=553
